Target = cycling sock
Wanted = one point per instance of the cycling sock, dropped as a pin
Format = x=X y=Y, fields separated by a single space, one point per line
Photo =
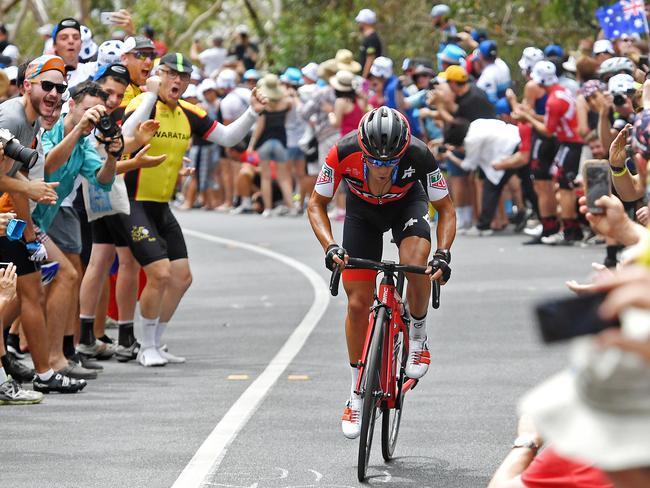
x=354 y=376
x=125 y=335
x=68 y=346
x=87 y=336
x=572 y=229
x=13 y=340
x=3 y=375
x=418 y=329
x=45 y=376
x=160 y=330
x=550 y=226
x=148 y=337
x=5 y=334
x=612 y=253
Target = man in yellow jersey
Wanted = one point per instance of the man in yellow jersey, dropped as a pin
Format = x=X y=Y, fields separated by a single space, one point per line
x=137 y=56
x=153 y=234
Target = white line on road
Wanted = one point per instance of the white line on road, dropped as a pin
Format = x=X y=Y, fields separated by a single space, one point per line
x=207 y=459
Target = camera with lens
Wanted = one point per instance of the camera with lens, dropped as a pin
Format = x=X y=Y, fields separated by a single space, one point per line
x=16 y=151
x=619 y=99
x=107 y=127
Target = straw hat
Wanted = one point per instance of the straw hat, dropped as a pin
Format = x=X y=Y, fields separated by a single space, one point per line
x=271 y=88
x=327 y=69
x=345 y=60
x=342 y=81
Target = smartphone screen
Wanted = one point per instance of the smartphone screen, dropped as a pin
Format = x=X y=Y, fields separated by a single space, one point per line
x=598 y=182
x=566 y=318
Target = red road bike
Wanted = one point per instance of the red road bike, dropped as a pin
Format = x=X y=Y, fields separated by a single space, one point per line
x=382 y=382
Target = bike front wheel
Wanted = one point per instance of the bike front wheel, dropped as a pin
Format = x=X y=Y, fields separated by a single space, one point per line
x=371 y=392
x=391 y=417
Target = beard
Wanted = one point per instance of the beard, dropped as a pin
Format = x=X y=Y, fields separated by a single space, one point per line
x=40 y=106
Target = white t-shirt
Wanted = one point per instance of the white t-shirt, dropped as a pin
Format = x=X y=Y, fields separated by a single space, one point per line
x=82 y=73
x=235 y=103
x=495 y=79
x=488 y=141
x=212 y=59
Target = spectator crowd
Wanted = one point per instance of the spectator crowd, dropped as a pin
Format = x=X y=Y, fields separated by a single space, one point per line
x=123 y=129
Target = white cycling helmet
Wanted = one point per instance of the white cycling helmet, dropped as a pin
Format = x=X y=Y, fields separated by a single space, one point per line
x=616 y=65
x=440 y=10
x=530 y=57
x=544 y=73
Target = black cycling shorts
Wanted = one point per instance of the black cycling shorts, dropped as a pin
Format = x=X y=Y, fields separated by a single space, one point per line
x=542 y=155
x=567 y=161
x=153 y=233
x=16 y=252
x=366 y=223
x=108 y=230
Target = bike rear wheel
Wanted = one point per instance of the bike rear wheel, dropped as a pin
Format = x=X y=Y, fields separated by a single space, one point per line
x=371 y=393
x=391 y=417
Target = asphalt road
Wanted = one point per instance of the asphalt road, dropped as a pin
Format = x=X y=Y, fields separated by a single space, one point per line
x=137 y=427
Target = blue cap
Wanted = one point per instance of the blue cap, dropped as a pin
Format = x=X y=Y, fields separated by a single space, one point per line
x=292 y=76
x=553 y=50
x=488 y=49
x=479 y=35
x=503 y=107
x=452 y=54
x=115 y=70
x=251 y=74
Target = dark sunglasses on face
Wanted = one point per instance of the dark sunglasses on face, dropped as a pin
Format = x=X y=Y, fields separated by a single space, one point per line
x=175 y=74
x=144 y=55
x=379 y=163
x=48 y=85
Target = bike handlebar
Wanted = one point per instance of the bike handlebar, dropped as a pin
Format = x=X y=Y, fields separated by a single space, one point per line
x=384 y=266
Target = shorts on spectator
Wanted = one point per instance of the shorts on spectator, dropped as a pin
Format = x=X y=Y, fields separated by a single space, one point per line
x=205 y=159
x=16 y=252
x=65 y=231
x=273 y=150
x=295 y=153
x=107 y=230
x=567 y=161
x=455 y=170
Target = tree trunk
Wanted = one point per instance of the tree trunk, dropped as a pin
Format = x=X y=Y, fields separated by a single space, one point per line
x=197 y=23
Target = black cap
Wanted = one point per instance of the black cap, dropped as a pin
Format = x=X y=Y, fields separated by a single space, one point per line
x=115 y=70
x=67 y=23
x=177 y=62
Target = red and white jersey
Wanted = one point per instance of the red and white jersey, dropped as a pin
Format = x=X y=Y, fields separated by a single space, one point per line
x=345 y=162
x=561 y=117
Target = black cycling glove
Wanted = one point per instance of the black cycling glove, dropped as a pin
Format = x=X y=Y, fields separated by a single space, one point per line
x=440 y=261
x=333 y=250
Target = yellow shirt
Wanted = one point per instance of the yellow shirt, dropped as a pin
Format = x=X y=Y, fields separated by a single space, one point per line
x=177 y=126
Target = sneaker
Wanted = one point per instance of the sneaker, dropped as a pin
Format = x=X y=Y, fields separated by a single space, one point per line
x=17 y=370
x=150 y=357
x=124 y=354
x=418 y=360
x=280 y=211
x=241 y=210
x=11 y=393
x=86 y=362
x=351 y=419
x=110 y=323
x=76 y=371
x=98 y=350
x=170 y=357
x=59 y=382
x=521 y=218
x=557 y=239
x=267 y=213
x=534 y=231
x=476 y=232
x=533 y=241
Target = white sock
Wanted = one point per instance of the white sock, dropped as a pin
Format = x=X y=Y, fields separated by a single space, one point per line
x=468 y=215
x=160 y=330
x=354 y=376
x=3 y=375
x=418 y=329
x=246 y=202
x=148 y=332
x=47 y=375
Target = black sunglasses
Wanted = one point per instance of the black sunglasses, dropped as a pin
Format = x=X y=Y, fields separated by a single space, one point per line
x=48 y=85
x=144 y=55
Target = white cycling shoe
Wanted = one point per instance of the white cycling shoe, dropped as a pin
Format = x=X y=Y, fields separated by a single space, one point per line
x=169 y=357
x=150 y=357
x=351 y=419
x=418 y=360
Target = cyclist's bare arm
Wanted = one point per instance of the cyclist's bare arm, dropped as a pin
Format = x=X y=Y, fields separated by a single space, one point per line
x=320 y=222
x=446 y=230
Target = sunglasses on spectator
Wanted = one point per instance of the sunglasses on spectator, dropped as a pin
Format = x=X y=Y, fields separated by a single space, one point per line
x=47 y=86
x=381 y=163
x=175 y=74
x=144 y=55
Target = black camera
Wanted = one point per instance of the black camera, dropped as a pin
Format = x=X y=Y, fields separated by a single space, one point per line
x=619 y=99
x=442 y=149
x=433 y=83
x=107 y=127
x=16 y=151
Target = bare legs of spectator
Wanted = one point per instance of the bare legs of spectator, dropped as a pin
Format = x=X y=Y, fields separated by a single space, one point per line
x=61 y=305
x=285 y=181
x=461 y=194
x=94 y=280
x=179 y=282
x=191 y=193
x=31 y=296
x=266 y=184
x=228 y=169
x=126 y=288
x=300 y=172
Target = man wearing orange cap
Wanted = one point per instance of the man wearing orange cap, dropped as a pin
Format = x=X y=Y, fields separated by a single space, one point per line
x=43 y=86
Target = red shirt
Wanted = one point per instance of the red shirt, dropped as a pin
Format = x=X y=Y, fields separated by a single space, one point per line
x=526 y=136
x=550 y=470
x=561 y=117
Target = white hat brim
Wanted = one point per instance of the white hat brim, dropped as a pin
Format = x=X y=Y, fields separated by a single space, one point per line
x=610 y=441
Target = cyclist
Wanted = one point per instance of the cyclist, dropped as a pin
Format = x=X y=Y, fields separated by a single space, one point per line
x=392 y=177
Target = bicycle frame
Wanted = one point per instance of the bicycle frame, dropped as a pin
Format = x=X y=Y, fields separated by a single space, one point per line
x=390 y=299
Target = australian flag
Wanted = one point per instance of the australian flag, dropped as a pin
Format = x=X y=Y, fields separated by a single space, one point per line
x=624 y=17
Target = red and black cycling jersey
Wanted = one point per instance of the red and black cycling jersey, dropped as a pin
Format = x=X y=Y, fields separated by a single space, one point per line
x=345 y=161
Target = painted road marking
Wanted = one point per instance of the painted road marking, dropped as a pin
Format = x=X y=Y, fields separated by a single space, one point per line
x=238 y=377
x=298 y=377
x=209 y=456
